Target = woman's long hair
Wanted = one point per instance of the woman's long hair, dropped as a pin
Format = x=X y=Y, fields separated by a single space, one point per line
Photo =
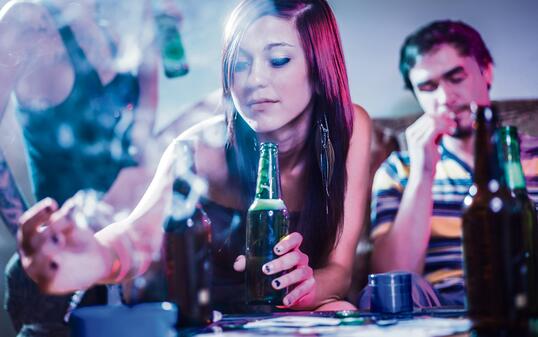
x=320 y=221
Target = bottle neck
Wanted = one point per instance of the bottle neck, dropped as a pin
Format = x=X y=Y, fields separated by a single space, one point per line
x=268 y=182
x=509 y=151
x=486 y=160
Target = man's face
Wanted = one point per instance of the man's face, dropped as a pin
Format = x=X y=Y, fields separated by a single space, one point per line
x=446 y=82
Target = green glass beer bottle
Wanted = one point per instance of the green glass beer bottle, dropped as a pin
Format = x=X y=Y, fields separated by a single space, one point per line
x=267 y=223
x=172 y=50
x=492 y=239
x=509 y=150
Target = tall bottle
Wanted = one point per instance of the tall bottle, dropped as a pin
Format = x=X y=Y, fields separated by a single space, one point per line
x=173 y=55
x=509 y=147
x=188 y=249
x=267 y=223
x=492 y=239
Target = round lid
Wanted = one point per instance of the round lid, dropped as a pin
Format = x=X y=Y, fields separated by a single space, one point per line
x=392 y=278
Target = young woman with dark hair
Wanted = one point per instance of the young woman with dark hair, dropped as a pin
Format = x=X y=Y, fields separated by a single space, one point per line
x=284 y=81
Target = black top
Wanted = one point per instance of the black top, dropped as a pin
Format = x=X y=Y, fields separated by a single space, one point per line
x=83 y=142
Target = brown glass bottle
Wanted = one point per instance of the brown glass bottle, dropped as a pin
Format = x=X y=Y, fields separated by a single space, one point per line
x=492 y=239
x=267 y=223
x=510 y=155
x=188 y=261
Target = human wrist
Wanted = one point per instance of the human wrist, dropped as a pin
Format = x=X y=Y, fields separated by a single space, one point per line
x=116 y=249
x=418 y=176
x=111 y=265
x=423 y=165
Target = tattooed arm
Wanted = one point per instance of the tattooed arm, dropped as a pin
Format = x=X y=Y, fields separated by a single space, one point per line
x=12 y=204
x=23 y=35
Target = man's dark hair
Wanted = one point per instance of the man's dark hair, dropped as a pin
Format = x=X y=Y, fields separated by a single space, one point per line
x=456 y=33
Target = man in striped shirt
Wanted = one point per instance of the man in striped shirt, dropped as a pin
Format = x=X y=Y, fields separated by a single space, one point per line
x=417 y=195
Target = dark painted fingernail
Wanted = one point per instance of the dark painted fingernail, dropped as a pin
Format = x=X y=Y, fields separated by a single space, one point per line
x=53 y=265
x=55 y=239
x=267 y=268
x=277 y=283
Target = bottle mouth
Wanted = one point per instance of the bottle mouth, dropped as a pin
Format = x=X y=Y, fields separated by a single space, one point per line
x=508 y=130
x=268 y=145
x=484 y=112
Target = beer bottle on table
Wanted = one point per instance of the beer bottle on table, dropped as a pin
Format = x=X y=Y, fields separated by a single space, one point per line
x=509 y=147
x=187 y=249
x=492 y=239
x=267 y=223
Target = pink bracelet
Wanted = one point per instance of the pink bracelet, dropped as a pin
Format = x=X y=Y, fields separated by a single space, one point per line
x=115 y=239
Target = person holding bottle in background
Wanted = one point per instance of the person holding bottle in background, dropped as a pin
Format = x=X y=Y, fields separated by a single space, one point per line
x=85 y=109
x=417 y=195
x=284 y=81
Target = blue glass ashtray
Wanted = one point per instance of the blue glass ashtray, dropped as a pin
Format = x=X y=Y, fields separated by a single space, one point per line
x=141 y=320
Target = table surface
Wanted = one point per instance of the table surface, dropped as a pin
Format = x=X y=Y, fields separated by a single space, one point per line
x=423 y=323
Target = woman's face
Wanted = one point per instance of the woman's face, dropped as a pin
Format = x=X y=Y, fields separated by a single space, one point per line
x=271 y=85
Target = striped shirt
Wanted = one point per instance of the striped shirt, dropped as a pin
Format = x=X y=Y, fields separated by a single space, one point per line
x=453 y=177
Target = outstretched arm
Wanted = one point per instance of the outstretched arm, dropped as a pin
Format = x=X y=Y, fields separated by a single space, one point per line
x=62 y=257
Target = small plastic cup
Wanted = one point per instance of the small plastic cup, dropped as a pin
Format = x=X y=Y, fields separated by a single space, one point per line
x=391 y=292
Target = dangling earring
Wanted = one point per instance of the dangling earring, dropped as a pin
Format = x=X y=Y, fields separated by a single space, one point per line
x=325 y=153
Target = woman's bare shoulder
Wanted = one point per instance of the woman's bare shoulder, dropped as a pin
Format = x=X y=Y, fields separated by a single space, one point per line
x=362 y=124
x=360 y=115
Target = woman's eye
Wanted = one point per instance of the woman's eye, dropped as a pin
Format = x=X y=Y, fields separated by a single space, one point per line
x=240 y=66
x=279 y=62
